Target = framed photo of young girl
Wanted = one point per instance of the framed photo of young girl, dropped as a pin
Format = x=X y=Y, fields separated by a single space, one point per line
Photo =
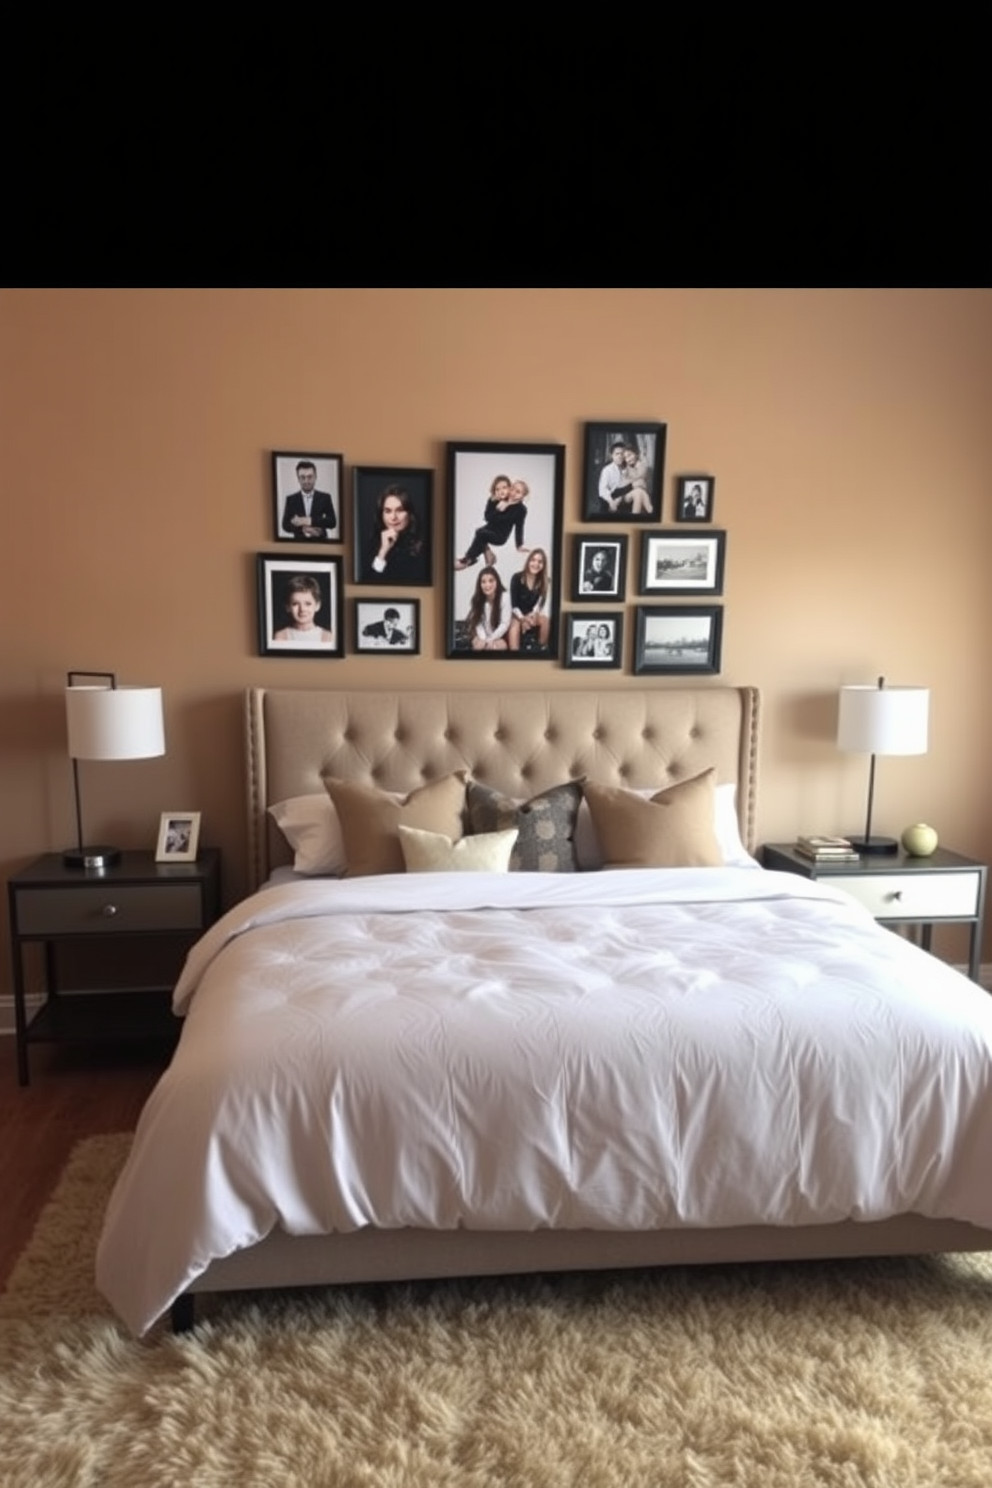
x=392 y=526
x=300 y=606
x=505 y=504
x=622 y=475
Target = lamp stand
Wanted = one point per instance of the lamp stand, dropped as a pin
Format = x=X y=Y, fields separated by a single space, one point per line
x=869 y=846
x=100 y=855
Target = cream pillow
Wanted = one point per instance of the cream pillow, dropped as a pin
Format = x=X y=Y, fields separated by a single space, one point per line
x=370 y=819
x=310 y=825
x=674 y=829
x=432 y=852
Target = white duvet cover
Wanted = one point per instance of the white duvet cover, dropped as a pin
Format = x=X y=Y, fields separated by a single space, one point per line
x=618 y=1050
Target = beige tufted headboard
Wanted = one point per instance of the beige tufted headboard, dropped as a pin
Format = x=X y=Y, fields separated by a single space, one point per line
x=518 y=742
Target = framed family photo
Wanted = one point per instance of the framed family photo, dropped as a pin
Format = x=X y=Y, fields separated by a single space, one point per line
x=306 y=497
x=682 y=565
x=599 y=568
x=300 y=606
x=594 y=640
x=178 y=837
x=393 y=522
x=387 y=627
x=505 y=505
x=623 y=471
x=678 y=639
x=694 y=498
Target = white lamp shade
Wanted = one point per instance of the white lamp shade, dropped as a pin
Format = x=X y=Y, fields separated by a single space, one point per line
x=114 y=723
x=883 y=720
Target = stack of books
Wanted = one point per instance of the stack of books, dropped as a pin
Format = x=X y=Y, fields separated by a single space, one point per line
x=826 y=849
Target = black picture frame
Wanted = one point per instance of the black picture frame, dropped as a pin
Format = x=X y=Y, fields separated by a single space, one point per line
x=678 y=640
x=277 y=580
x=584 y=641
x=675 y=563
x=695 y=496
x=482 y=523
x=287 y=497
x=409 y=562
x=599 y=568
x=608 y=495
x=387 y=626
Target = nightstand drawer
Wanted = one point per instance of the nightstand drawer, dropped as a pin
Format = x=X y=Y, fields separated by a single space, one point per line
x=912 y=896
x=106 y=909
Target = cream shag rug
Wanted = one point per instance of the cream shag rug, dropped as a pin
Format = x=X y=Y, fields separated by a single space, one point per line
x=876 y=1373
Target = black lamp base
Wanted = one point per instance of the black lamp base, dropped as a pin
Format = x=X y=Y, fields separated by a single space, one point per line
x=870 y=847
x=91 y=857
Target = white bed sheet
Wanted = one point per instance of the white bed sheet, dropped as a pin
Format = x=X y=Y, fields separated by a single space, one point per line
x=625 y=1050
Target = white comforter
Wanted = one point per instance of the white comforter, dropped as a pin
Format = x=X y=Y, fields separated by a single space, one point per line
x=613 y=1050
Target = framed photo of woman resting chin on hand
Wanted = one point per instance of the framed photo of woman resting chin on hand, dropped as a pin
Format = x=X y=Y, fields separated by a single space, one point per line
x=393 y=525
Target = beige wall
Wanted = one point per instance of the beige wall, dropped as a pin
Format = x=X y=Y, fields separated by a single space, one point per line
x=848 y=431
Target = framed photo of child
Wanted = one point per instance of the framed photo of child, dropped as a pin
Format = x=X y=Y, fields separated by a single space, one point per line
x=505 y=504
x=300 y=606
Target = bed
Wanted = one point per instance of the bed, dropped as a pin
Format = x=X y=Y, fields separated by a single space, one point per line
x=651 y=1052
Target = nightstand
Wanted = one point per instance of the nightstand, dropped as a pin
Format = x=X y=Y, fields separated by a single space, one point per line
x=899 y=889
x=136 y=899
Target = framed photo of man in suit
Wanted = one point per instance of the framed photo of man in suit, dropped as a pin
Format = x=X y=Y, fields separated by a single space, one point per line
x=306 y=497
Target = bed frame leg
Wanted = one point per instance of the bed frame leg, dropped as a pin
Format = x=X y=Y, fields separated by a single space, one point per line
x=182 y=1313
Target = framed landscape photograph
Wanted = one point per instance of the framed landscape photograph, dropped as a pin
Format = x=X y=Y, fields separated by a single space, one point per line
x=599 y=568
x=623 y=471
x=178 y=837
x=594 y=640
x=673 y=564
x=393 y=523
x=505 y=506
x=677 y=639
x=387 y=627
x=694 y=495
x=306 y=497
x=300 y=606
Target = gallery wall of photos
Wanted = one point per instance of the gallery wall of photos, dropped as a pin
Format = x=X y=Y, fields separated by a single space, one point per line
x=504 y=568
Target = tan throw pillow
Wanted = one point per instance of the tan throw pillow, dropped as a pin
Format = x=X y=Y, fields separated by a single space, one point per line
x=432 y=852
x=370 y=819
x=674 y=829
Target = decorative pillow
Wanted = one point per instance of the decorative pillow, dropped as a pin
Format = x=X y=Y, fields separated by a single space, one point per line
x=725 y=823
x=545 y=824
x=310 y=825
x=432 y=852
x=370 y=818
x=674 y=829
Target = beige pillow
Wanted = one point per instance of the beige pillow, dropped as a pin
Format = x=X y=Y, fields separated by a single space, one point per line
x=674 y=829
x=370 y=819
x=432 y=852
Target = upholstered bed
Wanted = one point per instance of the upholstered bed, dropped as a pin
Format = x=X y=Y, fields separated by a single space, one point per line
x=498 y=977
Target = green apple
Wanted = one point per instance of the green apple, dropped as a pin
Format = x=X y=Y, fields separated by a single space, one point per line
x=919 y=840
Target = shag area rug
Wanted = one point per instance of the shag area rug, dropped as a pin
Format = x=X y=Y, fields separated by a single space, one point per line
x=781 y=1376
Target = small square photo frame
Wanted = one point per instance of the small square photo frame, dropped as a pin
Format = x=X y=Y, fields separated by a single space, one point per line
x=675 y=563
x=694 y=497
x=623 y=471
x=387 y=627
x=594 y=640
x=178 y=837
x=299 y=479
x=599 y=569
x=300 y=606
x=678 y=640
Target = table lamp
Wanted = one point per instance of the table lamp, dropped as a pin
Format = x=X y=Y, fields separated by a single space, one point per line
x=881 y=720
x=107 y=722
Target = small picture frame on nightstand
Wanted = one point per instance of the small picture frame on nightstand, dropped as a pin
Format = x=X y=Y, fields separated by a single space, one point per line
x=178 y=837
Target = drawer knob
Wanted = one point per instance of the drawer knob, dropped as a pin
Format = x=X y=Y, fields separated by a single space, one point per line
x=896 y=894
x=108 y=911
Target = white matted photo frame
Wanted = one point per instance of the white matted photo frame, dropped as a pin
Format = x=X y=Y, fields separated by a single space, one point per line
x=300 y=606
x=694 y=498
x=306 y=497
x=387 y=627
x=393 y=525
x=623 y=470
x=178 y=837
x=594 y=640
x=681 y=564
x=678 y=639
x=504 y=555
x=599 y=568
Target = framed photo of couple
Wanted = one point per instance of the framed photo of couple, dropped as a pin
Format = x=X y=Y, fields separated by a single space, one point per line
x=623 y=471
x=505 y=508
x=594 y=640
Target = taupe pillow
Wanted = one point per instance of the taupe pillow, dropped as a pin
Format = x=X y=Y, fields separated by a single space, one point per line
x=370 y=818
x=674 y=829
x=545 y=824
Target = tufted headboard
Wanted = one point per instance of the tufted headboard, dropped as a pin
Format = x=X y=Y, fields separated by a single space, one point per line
x=517 y=742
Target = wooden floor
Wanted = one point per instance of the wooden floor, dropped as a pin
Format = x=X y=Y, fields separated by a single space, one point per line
x=75 y=1092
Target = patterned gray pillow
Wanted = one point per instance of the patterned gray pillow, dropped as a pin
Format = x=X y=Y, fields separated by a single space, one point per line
x=546 y=824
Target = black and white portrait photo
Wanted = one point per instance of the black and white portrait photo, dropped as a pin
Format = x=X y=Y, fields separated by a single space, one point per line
x=624 y=466
x=594 y=640
x=299 y=606
x=599 y=568
x=306 y=497
x=388 y=627
x=178 y=837
x=393 y=523
x=694 y=498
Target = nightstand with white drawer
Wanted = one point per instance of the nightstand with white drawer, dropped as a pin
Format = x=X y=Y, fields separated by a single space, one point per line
x=899 y=889
x=165 y=904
